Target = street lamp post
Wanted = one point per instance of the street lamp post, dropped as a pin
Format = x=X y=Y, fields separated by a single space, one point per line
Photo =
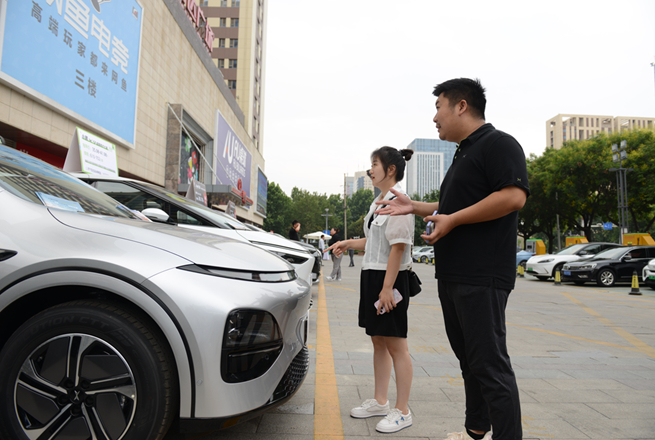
x=620 y=154
x=326 y=215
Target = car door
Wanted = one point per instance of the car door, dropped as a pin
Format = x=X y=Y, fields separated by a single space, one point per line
x=638 y=259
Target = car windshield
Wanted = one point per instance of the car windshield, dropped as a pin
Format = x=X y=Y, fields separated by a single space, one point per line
x=570 y=250
x=36 y=181
x=212 y=214
x=610 y=254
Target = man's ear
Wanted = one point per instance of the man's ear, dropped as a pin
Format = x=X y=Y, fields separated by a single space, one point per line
x=461 y=107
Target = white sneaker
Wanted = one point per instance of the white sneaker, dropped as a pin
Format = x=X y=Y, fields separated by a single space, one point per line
x=464 y=436
x=394 y=421
x=329 y=278
x=370 y=408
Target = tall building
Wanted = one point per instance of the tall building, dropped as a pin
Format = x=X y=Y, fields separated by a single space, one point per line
x=427 y=168
x=564 y=127
x=362 y=181
x=239 y=50
x=350 y=185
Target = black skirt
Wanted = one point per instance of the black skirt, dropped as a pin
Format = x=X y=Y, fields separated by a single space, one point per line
x=392 y=323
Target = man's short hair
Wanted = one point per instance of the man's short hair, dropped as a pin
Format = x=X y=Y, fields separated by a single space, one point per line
x=294 y=223
x=469 y=90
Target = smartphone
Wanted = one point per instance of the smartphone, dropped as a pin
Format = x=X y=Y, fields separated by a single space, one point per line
x=429 y=228
x=397 y=297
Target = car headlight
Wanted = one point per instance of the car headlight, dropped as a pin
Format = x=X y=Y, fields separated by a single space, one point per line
x=293 y=259
x=252 y=341
x=246 y=275
x=587 y=266
x=548 y=260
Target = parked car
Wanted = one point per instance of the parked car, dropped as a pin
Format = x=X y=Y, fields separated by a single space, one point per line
x=180 y=211
x=648 y=274
x=425 y=255
x=522 y=257
x=609 y=266
x=545 y=266
x=111 y=327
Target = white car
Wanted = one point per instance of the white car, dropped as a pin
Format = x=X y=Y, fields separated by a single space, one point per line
x=177 y=210
x=545 y=266
x=648 y=274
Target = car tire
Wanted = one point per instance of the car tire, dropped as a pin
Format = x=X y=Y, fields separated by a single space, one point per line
x=522 y=264
x=542 y=278
x=606 y=278
x=579 y=283
x=558 y=267
x=423 y=259
x=86 y=366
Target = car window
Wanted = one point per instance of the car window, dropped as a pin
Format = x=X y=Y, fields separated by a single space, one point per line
x=610 y=254
x=638 y=253
x=592 y=250
x=571 y=249
x=38 y=182
x=139 y=200
x=650 y=252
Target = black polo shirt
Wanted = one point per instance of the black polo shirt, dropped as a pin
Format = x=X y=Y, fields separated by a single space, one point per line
x=481 y=253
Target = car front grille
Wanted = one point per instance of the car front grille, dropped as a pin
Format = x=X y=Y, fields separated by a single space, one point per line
x=293 y=378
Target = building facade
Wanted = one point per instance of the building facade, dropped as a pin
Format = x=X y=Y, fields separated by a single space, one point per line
x=139 y=74
x=429 y=164
x=566 y=127
x=362 y=181
x=239 y=51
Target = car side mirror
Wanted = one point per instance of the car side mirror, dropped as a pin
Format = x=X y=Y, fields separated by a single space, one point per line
x=627 y=257
x=156 y=215
x=583 y=253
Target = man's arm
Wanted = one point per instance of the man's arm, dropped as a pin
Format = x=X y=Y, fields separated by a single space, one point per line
x=495 y=205
x=402 y=205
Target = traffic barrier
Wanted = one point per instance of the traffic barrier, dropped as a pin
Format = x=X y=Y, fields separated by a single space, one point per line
x=520 y=271
x=635 y=284
x=558 y=278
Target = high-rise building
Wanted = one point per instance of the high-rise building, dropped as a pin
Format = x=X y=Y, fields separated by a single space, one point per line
x=362 y=181
x=350 y=185
x=562 y=128
x=427 y=168
x=239 y=52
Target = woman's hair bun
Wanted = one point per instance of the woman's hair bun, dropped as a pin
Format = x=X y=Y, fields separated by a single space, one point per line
x=406 y=153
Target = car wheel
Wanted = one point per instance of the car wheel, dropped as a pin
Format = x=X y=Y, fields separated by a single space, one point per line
x=542 y=278
x=423 y=259
x=606 y=278
x=579 y=283
x=522 y=264
x=86 y=369
x=558 y=268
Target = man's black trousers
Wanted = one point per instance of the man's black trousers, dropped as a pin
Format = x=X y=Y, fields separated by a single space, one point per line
x=474 y=317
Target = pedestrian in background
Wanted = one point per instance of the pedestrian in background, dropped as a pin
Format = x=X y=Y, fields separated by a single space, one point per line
x=321 y=247
x=385 y=267
x=293 y=232
x=336 y=260
x=480 y=195
x=351 y=254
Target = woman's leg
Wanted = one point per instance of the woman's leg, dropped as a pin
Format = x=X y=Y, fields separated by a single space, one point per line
x=402 y=363
x=382 y=367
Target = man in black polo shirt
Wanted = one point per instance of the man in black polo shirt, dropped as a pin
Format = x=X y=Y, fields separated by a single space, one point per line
x=474 y=241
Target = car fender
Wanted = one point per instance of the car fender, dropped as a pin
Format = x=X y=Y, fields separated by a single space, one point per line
x=147 y=301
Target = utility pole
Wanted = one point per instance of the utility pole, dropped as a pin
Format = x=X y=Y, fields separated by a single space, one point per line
x=326 y=215
x=619 y=155
x=345 y=207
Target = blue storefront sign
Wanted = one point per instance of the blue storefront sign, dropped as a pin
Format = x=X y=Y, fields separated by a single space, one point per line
x=79 y=56
x=608 y=226
x=232 y=158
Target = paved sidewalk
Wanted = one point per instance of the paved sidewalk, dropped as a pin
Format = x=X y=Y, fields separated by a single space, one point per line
x=584 y=358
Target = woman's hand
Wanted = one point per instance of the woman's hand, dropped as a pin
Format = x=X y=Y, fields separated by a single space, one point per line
x=338 y=248
x=386 y=300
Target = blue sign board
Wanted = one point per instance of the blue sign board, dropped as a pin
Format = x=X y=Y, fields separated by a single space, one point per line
x=608 y=226
x=79 y=56
x=232 y=158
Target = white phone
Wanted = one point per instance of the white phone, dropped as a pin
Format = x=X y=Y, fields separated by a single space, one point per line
x=397 y=297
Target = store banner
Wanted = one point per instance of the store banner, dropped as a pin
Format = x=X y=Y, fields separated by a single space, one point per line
x=232 y=160
x=78 y=56
x=91 y=154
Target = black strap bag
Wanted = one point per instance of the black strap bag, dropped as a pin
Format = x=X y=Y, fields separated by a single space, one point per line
x=414 y=283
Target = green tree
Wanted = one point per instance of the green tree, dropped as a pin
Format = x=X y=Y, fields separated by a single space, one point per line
x=278 y=206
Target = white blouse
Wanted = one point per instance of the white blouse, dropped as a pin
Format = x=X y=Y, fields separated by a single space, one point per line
x=384 y=231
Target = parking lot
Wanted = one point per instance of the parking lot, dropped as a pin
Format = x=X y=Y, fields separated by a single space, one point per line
x=584 y=358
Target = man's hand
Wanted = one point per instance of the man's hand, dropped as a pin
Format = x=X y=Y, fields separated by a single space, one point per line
x=443 y=224
x=338 y=248
x=401 y=205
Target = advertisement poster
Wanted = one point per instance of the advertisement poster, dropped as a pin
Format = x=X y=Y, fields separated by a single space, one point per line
x=79 y=56
x=262 y=192
x=232 y=160
x=189 y=160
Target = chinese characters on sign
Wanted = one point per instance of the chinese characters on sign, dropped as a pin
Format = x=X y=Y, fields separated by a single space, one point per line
x=91 y=154
x=201 y=24
x=91 y=50
x=232 y=160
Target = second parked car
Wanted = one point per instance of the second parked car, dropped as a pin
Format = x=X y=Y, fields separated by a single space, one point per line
x=610 y=266
x=545 y=266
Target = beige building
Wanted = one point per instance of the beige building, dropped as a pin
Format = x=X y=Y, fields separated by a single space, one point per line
x=362 y=181
x=158 y=95
x=239 y=52
x=565 y=127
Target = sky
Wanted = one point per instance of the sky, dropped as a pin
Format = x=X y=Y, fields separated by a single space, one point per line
x=342 y=79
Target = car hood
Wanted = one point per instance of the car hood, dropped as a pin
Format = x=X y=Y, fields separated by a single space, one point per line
x=194 y=246
x=555 y=258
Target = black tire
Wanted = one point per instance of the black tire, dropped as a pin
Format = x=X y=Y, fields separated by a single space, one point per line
x=579 y=283
x=522 y=264
x=558 y=267
x=125 y=375
x=606 y=278
x=542 y=278
x=423 y=259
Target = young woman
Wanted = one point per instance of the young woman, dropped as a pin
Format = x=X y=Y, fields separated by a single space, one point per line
x=384 y=268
